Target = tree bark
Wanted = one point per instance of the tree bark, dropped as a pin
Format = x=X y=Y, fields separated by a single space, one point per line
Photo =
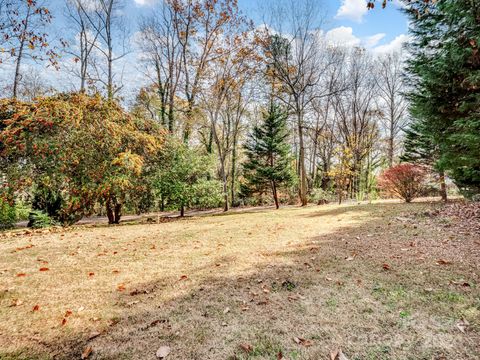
x=443 y=186
x=301 y=160
x=275 y=195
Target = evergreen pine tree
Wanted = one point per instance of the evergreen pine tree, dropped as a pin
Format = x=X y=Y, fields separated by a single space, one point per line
x=444 y=73
x=419 y=148
x=268 y=164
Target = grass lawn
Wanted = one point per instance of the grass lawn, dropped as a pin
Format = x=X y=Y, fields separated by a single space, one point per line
x=379 y=281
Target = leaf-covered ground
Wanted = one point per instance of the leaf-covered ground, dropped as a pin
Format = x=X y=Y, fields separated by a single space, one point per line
x=378 y=281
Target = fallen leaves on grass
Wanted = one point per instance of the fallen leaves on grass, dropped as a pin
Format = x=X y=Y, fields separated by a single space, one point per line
x=246 y=347
x=43 y=269
x=302 y=341
x=338 y=355
x=386 y=266
x=443 y=262
x=86 y=353
x=462 y=325
x=163 y=352
x=183 y=277
x=36 y=308
x=121 y=287
x=91 y=274
x=16 y=302
x=21 y=274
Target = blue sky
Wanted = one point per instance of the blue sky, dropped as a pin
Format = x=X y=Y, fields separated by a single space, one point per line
x=348 y=20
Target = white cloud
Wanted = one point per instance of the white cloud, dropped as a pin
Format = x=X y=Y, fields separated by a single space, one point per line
x=343 y=36
x=352 y=10
x=373 y=40
x=394 y=46
x=145 y=2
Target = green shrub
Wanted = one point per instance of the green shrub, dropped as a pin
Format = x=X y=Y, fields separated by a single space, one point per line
x=207 y=194
x=23 y=210
x=38 y=219
x=320 y=196
x=8 y=216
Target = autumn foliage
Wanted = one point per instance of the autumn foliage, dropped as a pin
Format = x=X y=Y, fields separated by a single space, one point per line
x=405 y=181
x=85 y=149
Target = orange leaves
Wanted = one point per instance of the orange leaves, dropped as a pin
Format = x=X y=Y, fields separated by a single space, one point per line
x=43 y=269
x=303 y=342
x=36 y=308
x=86 y=352
x=121 y=287
x=21 y=275
x=183 y=277
x=68 y=313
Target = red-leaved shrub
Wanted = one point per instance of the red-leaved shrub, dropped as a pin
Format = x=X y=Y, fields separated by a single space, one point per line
x=404 y=181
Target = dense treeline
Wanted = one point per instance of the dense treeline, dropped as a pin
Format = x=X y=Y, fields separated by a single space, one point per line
x=233 y=114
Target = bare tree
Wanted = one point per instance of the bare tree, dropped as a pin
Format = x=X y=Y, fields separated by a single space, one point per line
x=393 y=103
x=299 y=63
x=23 y=30
x=357 y=114
x=76 y=11
x=105 y=19
x=160 y=44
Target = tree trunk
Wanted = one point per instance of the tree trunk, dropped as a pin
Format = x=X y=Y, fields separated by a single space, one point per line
x=182 y=210
x=234 y=163
x=275 y=195
x=443 y=186
x=114 y=211
x=301 y=160
x=17 y=77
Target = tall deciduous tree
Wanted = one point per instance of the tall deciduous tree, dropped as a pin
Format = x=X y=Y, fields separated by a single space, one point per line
x=268 y=152
x=23 y=30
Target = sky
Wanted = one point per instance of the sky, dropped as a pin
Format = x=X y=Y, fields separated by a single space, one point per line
x=346 y=22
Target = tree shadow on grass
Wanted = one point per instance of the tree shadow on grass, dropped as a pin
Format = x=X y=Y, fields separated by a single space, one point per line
x=331 y=290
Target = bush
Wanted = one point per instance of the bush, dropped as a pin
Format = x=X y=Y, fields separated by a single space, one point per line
x=207 y=194
x=38 y=219
x=8 y=216
x=405 y=181
x=320 y=196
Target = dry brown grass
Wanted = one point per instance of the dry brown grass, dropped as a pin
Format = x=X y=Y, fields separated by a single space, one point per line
x=364 y=278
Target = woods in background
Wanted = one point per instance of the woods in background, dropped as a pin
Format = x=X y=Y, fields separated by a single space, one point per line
x=232 y=114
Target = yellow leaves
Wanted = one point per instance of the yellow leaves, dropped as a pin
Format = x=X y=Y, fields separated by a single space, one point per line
x=129 y=161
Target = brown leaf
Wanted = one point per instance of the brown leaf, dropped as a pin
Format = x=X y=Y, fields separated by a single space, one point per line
x=91 y=273
x=86 y=353
x=121 y=287
x=36 y=308
x=68 y=313
x=338 y=355
x=64 y=321
x=302 y=341
x=386 y=266
x=21 y=274
x=183 y=277
x=163 y=352
x=43 y=269
x=246 y=347
x=462 y=325
x=443 y=262
x=16 y=302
